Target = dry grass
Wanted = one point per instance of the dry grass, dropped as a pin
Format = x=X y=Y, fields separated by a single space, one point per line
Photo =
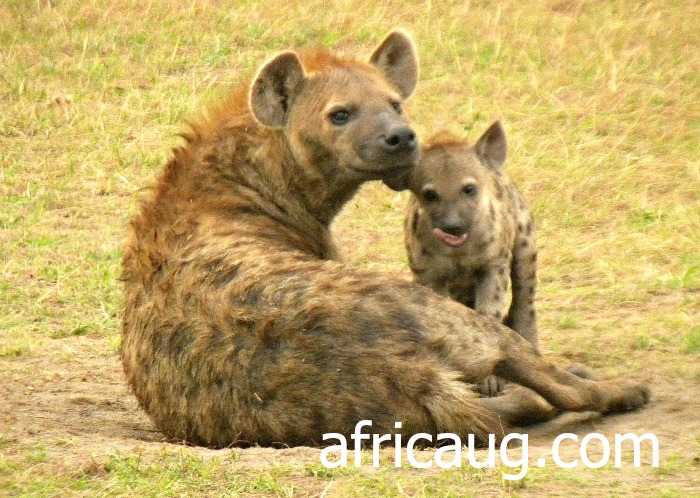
x=600 y=103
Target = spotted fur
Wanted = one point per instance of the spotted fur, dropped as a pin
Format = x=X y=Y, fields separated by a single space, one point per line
x=468 y=232
x=240 y=324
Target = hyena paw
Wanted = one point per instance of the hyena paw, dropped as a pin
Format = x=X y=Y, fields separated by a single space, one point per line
x=583 y=372
x=639 y=395
x=492 y=386
x=631 y=396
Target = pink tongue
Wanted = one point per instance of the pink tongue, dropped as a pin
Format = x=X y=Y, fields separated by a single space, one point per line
x=450 y=240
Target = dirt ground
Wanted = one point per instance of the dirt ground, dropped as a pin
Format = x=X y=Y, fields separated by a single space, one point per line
x=72 y=398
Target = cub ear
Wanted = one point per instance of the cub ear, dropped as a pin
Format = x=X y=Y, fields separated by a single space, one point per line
x=273 y=87
x=492 y=147
x=396 y=58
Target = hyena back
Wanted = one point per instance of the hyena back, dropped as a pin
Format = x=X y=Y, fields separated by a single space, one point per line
x=240 y=325
x=468 y=231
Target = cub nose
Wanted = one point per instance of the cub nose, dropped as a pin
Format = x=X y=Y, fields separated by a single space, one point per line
x=453 y=229
x=400 y=138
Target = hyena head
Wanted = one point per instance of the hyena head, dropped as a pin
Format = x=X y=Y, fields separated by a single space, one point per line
x=453 y=183
x=342 y=118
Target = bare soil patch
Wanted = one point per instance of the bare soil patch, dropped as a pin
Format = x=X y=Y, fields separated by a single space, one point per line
x=70 y=398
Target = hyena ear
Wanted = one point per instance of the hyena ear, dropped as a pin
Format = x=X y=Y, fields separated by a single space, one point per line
x=492 y=147
x=396 y=58
x=273 y=87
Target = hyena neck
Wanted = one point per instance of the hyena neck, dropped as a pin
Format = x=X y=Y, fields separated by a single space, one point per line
x=245 y=153
x=236 y=159
x=319 y=192
x=301 y=205
x=323 y=201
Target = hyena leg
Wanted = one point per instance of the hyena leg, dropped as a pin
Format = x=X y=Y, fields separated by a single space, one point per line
x=564 y=390
x=490 y=291
x=583 y=371
x=523 y=275
x=489 y=300
x=519 y=406
x=522 y=406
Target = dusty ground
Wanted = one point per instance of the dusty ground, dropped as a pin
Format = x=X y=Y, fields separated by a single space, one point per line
x=72 y=399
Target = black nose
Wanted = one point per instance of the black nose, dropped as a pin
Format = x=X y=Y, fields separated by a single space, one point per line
x=456 y=230
x=400 y=138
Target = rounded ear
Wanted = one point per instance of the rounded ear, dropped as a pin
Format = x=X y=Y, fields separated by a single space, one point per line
x=273 y=87
x=492 y=147
x=396 y=57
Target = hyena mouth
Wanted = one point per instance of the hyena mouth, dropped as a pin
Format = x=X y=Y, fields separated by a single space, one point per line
x=397 y=170
x=386 y=173
x=449 y=239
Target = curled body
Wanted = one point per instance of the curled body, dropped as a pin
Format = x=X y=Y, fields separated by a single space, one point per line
x=241 y=326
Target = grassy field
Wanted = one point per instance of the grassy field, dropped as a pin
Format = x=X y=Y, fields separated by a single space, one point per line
x=600 y=103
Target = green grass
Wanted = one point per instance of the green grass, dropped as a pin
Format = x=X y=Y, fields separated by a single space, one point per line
x=599 y=101
x=692 y=341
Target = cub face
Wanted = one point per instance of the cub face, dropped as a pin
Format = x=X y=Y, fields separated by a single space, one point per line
x=453 y=185
x=451 y=189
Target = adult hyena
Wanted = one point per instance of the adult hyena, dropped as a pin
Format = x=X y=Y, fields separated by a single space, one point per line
x=468 y=231
x=241 y=327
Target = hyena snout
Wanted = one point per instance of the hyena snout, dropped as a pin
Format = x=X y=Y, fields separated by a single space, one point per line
x=391 y=150
x=399 y=138
x=452 y=222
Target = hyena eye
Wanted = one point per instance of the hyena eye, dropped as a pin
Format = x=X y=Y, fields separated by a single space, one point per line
x=340 y=117
x=469 y=190
x=429 y=195
x=397 y=107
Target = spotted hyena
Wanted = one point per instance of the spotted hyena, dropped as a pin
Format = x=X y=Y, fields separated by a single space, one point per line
x=240 y=324
x=468 y=231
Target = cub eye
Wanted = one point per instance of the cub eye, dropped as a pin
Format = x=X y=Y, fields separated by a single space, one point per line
x=397 y=107
x=469 y=190
x=429 y=195
x=340 y=117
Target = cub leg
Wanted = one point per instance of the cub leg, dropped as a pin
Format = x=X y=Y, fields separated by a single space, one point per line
x=489 y=300
x=521 y=314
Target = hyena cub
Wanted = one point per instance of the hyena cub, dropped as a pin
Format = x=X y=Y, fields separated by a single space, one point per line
x=467 y=230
